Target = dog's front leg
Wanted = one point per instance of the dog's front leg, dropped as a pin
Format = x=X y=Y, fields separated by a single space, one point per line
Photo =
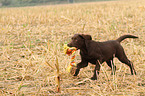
x=79 y=66
x=96 y=71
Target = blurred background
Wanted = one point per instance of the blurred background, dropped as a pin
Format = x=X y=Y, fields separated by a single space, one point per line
x=19 y=3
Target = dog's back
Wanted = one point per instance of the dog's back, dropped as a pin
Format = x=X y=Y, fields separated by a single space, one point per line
x=108 y=49
x=104 y=50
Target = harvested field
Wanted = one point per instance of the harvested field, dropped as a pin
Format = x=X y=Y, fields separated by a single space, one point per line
x=31 y=45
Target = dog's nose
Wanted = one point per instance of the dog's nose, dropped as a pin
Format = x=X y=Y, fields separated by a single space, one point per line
x=68 y=45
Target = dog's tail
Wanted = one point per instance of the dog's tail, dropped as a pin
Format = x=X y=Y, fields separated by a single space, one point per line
x=124 y=37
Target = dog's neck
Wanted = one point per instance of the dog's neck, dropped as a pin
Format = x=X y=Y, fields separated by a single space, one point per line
x=83 y=49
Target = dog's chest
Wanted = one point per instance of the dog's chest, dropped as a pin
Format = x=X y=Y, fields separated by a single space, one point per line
x=89 y=58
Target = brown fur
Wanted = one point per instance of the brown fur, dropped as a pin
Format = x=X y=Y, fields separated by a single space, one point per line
x=99 y=52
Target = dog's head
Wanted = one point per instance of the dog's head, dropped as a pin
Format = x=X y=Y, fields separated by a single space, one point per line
x=78 y=40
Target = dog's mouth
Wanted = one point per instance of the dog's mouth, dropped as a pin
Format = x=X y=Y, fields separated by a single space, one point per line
x=70 y=45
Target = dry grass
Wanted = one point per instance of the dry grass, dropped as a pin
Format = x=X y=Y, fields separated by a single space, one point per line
x=32 y=38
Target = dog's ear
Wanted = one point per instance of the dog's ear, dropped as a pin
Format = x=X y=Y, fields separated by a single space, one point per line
x=86 y=37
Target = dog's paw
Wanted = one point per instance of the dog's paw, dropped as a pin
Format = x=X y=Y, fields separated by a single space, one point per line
x=93 y=78
x=76 y=72
x=75 y=75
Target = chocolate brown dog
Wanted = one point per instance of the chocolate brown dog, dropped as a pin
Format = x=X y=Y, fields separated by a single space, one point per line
x=99 y=52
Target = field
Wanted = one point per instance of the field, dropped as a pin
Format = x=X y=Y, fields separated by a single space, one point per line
x=31 y=47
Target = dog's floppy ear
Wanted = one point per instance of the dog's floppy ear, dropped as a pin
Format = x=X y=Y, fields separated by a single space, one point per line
x=86 y=37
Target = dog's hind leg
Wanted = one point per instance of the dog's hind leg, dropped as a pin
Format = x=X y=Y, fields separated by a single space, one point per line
x=96 y=71
x=110 y=63
x=122 y=57
x=129 y=63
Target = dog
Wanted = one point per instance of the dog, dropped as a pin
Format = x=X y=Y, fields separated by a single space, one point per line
x=98 y=52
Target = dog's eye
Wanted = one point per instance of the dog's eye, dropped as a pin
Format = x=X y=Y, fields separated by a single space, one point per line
x=75 y=39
